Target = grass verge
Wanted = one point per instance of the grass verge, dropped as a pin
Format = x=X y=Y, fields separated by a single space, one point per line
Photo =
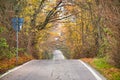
x=100 y=64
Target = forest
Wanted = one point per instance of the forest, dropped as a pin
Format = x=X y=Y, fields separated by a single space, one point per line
x=89 y=29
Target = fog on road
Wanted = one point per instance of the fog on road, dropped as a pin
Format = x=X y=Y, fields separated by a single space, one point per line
x=57 y=55
x=56 y=69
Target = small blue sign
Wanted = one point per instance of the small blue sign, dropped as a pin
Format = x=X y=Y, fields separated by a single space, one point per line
x=17 y=23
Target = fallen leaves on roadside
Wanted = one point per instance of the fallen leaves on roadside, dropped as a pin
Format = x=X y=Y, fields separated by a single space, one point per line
x=7 y=64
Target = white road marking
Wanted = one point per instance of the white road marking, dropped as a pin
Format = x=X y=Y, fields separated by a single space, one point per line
x=91 y=70
x=9 y=71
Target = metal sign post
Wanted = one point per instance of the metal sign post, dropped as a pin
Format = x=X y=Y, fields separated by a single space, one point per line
x=17 y=25
x=17 y=42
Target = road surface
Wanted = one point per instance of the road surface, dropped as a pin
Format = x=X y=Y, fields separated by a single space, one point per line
x=56 y=69
x=57 y=55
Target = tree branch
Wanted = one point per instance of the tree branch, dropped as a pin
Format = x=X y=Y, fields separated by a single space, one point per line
x=51 y=12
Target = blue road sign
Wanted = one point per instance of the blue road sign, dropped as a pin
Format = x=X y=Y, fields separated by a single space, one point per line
x=17 y=23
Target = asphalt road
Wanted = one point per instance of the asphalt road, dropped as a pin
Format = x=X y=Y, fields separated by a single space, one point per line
x=56 y=69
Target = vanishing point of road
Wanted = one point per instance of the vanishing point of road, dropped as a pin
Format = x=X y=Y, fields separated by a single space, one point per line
x=57 y=69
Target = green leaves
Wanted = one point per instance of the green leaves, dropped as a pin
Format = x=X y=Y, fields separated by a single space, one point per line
x=1 y=29
x=3 y=43
x=4 y=49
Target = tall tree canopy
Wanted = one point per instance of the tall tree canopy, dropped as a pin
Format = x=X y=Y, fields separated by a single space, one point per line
x=90 y=28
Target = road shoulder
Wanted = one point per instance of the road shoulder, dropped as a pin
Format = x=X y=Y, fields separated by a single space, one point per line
x=96 y=74
x=14 y=69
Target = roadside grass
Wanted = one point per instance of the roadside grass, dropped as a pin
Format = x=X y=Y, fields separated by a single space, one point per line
x=107 y=70
x=7 y=64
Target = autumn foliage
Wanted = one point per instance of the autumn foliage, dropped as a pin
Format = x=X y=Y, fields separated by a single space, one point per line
x=90 y=28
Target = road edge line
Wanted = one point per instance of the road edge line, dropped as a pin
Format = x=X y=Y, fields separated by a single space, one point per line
x=11 y=70
x=91 y=70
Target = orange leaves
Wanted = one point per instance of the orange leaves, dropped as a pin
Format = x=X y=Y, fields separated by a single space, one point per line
x=69 y=8
x=10 y=63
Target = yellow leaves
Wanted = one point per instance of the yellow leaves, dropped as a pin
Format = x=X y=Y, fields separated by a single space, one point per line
x=89 y=0
x=27 y=18
x=41 y=35
x=54 y=34
x=28 y=10
x=33 y=2
x=91 y=28
x=50 y=5
x=69 y=8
